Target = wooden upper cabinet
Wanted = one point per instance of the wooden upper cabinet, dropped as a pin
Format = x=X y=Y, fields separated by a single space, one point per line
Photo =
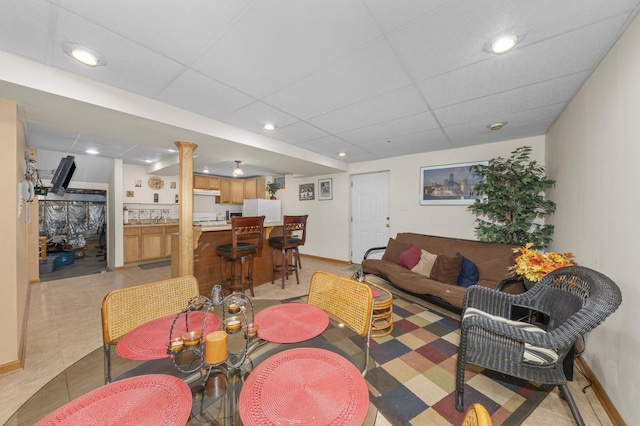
x=254 y=188
x=237 y=191
x=206 y=182
x=225 y=191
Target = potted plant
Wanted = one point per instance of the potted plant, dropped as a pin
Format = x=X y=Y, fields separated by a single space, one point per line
x=272 y=188
x=512 y=203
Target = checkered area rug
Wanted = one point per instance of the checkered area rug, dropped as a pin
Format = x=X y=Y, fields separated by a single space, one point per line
x=414 y=381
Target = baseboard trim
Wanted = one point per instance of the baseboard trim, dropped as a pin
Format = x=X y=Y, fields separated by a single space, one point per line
x=18 y=364
x=326 y=259
x=600 y=393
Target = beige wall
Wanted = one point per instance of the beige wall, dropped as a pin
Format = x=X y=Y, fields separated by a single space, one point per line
x=329 y=226
x=593 y=152
x=14 y=262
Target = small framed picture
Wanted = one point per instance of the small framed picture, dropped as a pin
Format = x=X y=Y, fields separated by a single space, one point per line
x=145 y=214
x=133 y=214
x=129 y=194
x=138 y=183
x=176 y=198
x=325 y=189
x=155 y=197
x=172 y=185
x=307 y=192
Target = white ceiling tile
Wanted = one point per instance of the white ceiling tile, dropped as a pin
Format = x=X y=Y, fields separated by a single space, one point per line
x=390 y=129
x=24 y=28
x=280 y=42
x=200 y=94
x=388 y=106
x=391 y=15
x=129 y=64
x=363 y=75
x=256 y=115
x=298 y=133
x=568 y=53
x=430 y=140
x=493 y=107
x=502 y=135
x=168 y=28
x=329 y=146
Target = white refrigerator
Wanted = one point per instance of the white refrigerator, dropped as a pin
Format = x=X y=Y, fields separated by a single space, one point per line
x=271 y=209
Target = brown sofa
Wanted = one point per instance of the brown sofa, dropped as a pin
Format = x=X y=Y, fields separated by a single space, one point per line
x=492 y=261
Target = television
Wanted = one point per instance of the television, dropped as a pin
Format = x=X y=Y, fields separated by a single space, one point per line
x=63 y=175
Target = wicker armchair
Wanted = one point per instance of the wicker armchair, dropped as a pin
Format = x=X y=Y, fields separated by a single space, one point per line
x=349 y=301
x=127 y=308
x=477 y=415
x=575 y=300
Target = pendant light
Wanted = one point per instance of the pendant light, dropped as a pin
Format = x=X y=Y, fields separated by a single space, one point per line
x=238 y=171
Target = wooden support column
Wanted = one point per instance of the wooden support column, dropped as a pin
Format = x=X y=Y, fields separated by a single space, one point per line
x=185 y=258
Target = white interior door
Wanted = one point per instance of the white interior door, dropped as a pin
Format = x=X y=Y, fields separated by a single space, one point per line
x=369 y=213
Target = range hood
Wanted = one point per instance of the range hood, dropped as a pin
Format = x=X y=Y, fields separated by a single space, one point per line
x=210 y=192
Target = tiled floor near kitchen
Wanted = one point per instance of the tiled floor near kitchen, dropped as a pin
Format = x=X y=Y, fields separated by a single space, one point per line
x=64 y=326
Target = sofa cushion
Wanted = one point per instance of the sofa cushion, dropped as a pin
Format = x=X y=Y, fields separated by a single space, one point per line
x=425 y=265
x=394 y=250
x=446 y=269
x=409 y=257
x=468 y=273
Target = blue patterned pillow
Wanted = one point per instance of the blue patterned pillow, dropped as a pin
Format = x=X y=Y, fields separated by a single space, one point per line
x=468 y=274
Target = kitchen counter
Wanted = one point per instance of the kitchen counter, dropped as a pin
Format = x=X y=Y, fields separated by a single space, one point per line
x=170 y=222
x=206 y=264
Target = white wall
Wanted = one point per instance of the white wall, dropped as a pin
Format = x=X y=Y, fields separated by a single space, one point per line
x=593 y=152
x=329 y=226
x=143 y=195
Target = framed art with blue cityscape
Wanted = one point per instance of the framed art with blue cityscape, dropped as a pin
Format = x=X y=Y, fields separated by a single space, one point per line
x=452 y=184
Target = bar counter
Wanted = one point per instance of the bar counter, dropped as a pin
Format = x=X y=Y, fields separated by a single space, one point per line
x=206 y=264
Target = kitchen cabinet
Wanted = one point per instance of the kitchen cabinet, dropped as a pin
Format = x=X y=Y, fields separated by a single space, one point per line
x=206 y=182
x=254 y=188
x=231 y=191
x=147 y=242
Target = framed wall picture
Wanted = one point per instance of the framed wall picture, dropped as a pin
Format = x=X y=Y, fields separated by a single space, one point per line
x=307 y=192
x=325 y=189
x=448 y=185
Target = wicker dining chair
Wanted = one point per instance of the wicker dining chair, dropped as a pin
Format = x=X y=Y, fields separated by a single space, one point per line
x=127 y=308
x=573 y=299
x=347 y=300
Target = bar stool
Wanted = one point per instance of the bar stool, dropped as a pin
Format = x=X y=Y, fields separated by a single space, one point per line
x=294 y=234
x=241 y=251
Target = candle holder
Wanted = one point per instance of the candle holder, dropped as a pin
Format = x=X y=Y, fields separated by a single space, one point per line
x=188 y=350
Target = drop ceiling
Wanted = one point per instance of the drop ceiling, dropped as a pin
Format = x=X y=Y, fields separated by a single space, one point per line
x=374 y=79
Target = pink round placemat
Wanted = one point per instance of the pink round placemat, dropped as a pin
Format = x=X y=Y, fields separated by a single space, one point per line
x=305 y=386
x=291 y=322
x=152 y=399
x=149 y=341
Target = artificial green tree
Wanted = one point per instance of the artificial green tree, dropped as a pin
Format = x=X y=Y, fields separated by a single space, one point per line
x=512 y=201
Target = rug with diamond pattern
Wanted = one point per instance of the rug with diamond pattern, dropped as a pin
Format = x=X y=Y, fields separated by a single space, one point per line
x=414 y=381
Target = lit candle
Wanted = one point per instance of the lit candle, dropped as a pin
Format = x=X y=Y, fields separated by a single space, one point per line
x=232 y=324
x=234 y=308
x=215 y=350
x=251 y=331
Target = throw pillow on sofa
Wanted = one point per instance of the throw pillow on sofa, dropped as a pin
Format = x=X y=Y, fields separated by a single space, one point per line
x=394 y=250
x=446 y=269
x=410 y=257
x=424 y=266
x=468 y=273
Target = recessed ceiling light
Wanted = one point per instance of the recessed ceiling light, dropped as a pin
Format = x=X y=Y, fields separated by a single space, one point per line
x=92 y=152
x=497 y=126
x=205 y=170
x=148 y=161
x=342 y=154
x=84 y=55
x=269 y=127
x=504 y=44
x=172 y=150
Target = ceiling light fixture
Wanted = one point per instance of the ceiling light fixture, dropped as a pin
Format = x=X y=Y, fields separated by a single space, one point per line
x=342 y=154
x=84 y=55
x=92 y=152
x=497 y=126
x=238 y=171
x=269 y=127
x=504 y=44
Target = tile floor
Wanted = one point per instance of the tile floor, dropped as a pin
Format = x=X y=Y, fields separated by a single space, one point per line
x=64 y=326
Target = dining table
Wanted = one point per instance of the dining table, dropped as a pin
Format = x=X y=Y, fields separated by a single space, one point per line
x=304 y=364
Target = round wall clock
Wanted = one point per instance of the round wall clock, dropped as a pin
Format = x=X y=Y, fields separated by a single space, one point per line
x=155 y=182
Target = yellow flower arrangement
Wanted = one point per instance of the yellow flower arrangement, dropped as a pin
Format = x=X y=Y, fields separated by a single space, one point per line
x=534 y=265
